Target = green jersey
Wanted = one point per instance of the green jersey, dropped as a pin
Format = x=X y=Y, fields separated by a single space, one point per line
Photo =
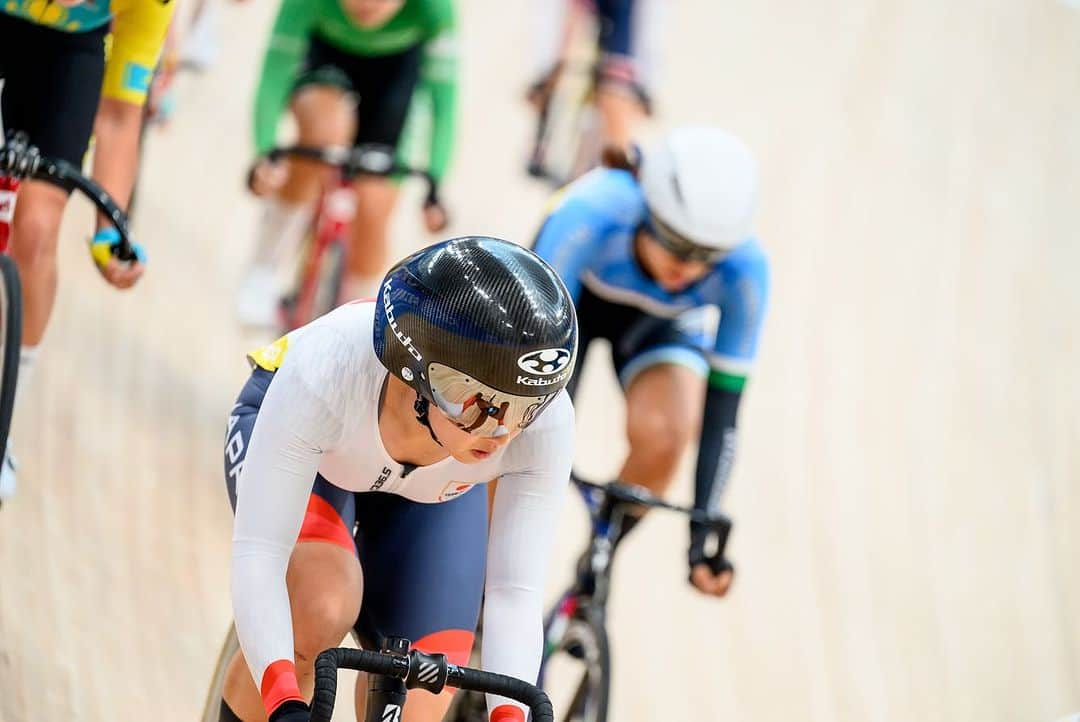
x=429 y=23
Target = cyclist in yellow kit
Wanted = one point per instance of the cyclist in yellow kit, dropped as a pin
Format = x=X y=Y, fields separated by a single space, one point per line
x=55 y=72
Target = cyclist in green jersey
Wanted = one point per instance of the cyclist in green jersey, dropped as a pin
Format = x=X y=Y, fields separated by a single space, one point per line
x=348 y=71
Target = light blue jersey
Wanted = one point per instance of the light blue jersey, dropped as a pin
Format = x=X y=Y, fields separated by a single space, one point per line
x=588 y=238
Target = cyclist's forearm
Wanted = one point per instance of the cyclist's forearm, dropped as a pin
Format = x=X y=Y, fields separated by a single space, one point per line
x=511 y=614
x=116 y=149
x=443 y=127
x=716 y=450
x=525 y=511
x=261 y=603
x=288 y=44
x=440 y=80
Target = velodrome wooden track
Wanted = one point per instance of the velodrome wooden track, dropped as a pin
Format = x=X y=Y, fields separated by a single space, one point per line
x=908 y=484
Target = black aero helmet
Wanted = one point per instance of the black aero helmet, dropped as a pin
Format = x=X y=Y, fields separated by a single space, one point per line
x=480 y=327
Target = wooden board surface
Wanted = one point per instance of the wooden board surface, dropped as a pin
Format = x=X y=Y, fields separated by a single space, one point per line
x=907 y=491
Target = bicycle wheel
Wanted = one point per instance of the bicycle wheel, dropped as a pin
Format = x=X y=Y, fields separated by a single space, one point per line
x=568 y=135
x=576 y=657
x=212 y=708
x=10 y=342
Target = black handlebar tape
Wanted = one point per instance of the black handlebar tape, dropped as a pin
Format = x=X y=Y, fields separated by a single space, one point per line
x=326 y=667
x=629 y=494
x=369 y=159
x=19 y=158
x=529 y=695
x=64 y=171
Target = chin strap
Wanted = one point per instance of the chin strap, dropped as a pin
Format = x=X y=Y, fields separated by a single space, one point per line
x=421 y=406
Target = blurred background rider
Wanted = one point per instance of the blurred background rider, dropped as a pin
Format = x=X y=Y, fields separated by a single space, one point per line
x=347 y=70
x=628 y=38
x=645 y=252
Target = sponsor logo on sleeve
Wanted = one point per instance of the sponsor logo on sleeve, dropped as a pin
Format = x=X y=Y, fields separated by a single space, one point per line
x=137 y=77
x=454 y=489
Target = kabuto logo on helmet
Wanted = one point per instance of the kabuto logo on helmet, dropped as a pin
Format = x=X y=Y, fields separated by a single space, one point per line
x=388 y=308
x=545 y=362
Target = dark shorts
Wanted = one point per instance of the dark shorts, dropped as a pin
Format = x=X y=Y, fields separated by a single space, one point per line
x=382 y=84
x=638 y=340
x=618 y=54
x=413 y=587
x=52 y=85
x=616 y=19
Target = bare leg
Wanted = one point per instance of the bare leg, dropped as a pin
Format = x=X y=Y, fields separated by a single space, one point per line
x=324 y=116
x=663 y=410
x=35 y=231
x=367 y=255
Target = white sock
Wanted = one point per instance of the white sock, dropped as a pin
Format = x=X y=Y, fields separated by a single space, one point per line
x=280 y=229
x=27 y=357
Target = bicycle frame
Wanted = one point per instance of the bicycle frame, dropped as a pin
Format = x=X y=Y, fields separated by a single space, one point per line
x=19 y=159
x=9 y=187
x=601 y=548
x=335 y=212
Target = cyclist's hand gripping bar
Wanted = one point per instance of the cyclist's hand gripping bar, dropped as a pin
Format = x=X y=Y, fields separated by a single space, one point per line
x=709 y=530
x=428 y=671
x=370 y=159
x=21 y=160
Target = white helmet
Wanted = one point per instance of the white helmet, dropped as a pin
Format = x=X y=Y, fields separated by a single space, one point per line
x=701 y=189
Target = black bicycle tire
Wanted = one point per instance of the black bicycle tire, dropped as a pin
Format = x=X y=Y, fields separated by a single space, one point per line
x=11 y=340
x=595 y=624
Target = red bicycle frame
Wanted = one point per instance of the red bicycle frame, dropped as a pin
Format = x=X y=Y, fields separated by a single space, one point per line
x=8 y=188
x=335 y=212
x=318 y=285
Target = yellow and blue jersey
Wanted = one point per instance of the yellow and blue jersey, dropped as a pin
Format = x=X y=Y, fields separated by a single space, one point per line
x=137 y=36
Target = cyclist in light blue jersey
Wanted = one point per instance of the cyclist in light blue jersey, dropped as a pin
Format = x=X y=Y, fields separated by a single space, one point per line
x=646 y=250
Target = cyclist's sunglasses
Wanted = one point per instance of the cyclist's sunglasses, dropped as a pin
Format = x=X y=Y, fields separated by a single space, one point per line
x=480 y=409
x=679 y=245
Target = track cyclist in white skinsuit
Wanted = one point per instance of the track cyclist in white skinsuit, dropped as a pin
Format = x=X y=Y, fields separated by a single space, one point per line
x=351 y=460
